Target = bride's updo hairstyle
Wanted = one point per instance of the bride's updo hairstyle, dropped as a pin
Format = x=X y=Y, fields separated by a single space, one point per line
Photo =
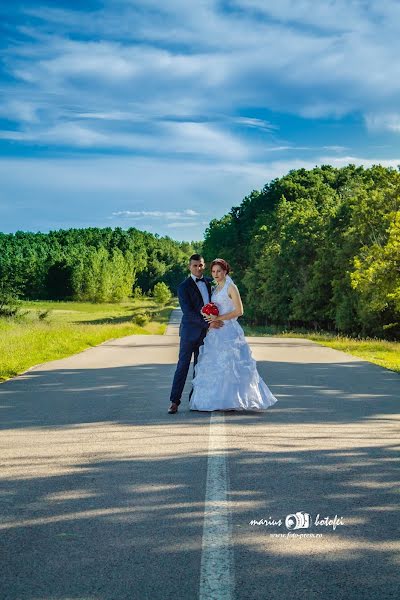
x=221 y=263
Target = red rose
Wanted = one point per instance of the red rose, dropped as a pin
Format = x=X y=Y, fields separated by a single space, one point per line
x=210 y=309
x=206 y=309
x=214 y=309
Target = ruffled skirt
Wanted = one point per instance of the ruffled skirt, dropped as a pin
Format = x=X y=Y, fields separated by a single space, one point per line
x=226 y=376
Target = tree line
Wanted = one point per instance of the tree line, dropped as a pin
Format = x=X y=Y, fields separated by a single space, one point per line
x=92 y=264
x=318 y=248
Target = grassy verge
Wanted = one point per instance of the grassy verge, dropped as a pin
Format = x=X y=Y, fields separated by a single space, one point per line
x=70 y=327
x=380 y=352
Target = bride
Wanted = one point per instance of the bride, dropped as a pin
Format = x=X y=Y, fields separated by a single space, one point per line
x=226 y=376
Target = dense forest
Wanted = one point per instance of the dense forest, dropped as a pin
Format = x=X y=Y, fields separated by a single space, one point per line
x=315 y=248
x=318 y=248
x=96 y=265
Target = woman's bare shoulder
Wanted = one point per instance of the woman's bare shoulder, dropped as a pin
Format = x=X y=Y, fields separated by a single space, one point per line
x=233 y=288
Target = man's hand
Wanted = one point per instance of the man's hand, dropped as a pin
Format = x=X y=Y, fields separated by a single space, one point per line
x=216 y=324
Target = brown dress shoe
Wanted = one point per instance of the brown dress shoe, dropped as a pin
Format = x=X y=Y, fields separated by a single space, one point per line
x=173 y=408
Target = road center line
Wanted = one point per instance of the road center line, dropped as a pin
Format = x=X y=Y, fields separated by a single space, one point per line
x=217 y=566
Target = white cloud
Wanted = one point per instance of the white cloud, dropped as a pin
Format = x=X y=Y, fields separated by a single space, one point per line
x=43 y=194
x=335 y=148
x=90 y=59
x=383 y=122
x=176 y=224
x=155 y=213
x=166 y=137
x=281 y=167
x=256 y=123
x=179 y=89
x=194 y=59
x=20 y=110
x=77 y=135
x=13 y=135
x=342 y=161
x=205 y=139
x=333 y=15
x=116 y=115
x=285 y=148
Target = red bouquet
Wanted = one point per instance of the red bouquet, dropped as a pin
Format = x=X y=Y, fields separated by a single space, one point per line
x=210 y=309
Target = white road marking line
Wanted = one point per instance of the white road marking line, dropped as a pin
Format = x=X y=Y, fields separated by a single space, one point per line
x=217 y=566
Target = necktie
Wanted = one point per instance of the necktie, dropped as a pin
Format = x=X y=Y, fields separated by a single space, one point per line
x=202 y=279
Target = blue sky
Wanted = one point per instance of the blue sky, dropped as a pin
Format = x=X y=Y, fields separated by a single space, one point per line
x=164 y=115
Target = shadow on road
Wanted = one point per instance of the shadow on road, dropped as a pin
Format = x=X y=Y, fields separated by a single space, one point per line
x=307 y=393
x=130 y=527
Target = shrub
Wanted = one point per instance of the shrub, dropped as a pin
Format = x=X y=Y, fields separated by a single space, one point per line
x=43 y=315
x=9 y=302
x=162 y=293
x=141 y=319
x=137 y=292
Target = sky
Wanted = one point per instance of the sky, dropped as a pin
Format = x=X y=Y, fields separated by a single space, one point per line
x=163 y=114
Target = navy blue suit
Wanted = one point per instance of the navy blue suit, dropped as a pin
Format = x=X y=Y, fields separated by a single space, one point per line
x=192 y=331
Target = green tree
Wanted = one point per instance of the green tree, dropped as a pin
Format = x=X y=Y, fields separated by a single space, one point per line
x=162 y=293
x=317 y=248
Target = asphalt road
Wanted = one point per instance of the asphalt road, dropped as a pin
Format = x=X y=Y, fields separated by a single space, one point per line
x=105 y=496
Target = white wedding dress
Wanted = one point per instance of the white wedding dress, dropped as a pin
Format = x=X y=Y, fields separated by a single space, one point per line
x=226 y=376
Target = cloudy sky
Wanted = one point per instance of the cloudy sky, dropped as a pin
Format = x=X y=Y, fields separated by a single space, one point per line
x=162 y=114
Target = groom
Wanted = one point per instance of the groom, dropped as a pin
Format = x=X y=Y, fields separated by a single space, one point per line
x=193 y=294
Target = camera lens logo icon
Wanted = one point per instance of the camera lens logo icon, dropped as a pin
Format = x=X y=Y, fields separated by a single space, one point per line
x=300 y=520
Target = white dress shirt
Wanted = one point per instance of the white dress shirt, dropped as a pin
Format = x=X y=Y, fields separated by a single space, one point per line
x=203 y=289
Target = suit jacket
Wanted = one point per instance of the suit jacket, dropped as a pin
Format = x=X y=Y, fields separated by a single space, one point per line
x=191 y=302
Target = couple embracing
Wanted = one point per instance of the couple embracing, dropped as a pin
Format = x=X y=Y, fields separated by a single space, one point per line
x=225 y=373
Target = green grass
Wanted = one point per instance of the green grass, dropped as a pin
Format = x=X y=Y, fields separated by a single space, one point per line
x=381 y=352
x=70 y=327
